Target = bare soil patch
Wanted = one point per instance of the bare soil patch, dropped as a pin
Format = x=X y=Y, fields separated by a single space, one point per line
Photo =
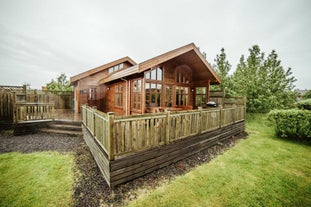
x=90 y=187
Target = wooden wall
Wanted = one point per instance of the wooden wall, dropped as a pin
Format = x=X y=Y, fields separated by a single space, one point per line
x=89 y=82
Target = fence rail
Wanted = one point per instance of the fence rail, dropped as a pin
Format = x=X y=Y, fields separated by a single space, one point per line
x=33 y=111
x=123 y=135
x=19 y=104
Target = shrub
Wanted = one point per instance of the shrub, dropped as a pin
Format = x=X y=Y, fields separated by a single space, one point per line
x=304 y=104
x=293 y=123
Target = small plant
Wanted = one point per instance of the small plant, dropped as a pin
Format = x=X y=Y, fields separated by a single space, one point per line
x=293 y=123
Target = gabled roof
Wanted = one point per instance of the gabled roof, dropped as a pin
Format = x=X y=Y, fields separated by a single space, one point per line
x=188 y=54
x=101 y=68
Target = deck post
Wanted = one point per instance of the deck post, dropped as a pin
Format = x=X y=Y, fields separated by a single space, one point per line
x=110 y=135
x=220 y=117
x=244 y=102
x=14 y=110
x=200 y=121
x=167 y=128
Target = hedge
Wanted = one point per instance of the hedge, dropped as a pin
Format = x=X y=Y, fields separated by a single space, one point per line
x=304 y=104
x=293 y=123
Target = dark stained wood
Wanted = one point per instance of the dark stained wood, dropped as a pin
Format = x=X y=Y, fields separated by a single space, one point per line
x=118 y=167
x=128 y=168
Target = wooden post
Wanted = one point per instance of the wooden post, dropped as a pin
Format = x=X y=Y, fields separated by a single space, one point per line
x=200 y=123
x=244 y=100
x=14 y=108
x=167 y=128
x=110 y=135
x=220 y=117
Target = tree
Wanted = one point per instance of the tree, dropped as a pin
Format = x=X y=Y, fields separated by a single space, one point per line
x=222 y=68
x=62 y=84
x=263 y=81
x=307 y=95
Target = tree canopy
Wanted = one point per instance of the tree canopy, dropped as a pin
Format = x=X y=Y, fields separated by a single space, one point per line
x=263 y=80
x=222 y=67
x=61 y=84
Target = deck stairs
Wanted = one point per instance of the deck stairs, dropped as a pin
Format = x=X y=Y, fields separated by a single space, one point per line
x=63 y=127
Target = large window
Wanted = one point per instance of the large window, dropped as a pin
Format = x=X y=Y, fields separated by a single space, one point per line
x=136 y=94
x=200 y=96
x=118 y=95
x=153 y=87
x=182 y=95
x=153 y=94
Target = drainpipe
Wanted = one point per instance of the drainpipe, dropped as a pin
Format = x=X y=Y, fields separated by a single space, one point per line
x=126 y=96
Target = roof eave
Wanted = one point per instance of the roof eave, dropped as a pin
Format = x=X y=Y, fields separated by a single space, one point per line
x=87 y=73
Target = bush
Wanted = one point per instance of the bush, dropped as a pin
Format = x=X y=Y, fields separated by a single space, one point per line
x=293 y=123
x=304 y=104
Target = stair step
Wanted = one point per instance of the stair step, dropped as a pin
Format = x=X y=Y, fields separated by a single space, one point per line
x=65 y=127
x=59 y=131
x=72 y=123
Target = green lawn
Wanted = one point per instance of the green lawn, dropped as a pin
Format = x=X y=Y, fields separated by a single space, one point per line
x=259 y=171
x=36 y=179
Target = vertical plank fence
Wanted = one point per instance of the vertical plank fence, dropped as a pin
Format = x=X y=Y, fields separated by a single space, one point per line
x=128 y=134
x=33 y=111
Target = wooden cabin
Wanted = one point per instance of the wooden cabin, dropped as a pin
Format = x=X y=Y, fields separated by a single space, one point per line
x=176 y=80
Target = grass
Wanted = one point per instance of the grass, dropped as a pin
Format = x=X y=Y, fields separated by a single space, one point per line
x=36 y=179
x=259 y=171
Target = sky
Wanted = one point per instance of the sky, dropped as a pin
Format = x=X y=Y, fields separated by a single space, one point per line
x=40 y=39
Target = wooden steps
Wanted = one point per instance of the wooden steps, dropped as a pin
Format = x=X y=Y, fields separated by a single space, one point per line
x=63 y=127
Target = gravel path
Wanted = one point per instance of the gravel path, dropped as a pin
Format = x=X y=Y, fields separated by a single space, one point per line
x=90 y=187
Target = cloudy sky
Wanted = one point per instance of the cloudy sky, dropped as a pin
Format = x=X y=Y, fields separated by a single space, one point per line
x=39 y=39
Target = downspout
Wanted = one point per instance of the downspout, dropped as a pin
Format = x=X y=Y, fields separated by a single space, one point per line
x=126 y=96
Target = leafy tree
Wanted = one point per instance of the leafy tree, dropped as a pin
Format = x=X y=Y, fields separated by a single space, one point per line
x=307 y=95
x=263 y=81
x=62 y=84
x=222 y=67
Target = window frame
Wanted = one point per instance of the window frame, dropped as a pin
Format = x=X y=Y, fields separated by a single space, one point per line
x=118 y=95
x=136 y=101
x=154 y=77
x=202 y=95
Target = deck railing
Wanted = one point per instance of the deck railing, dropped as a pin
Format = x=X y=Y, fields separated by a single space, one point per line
x=120 y=135
x=33 y=111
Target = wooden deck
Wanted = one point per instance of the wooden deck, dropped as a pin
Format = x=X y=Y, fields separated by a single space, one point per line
x=126 y=148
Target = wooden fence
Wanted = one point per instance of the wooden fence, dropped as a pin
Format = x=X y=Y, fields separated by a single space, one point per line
x=119 y=136
x=18 y=104
x=33 y=111
x=226 y=102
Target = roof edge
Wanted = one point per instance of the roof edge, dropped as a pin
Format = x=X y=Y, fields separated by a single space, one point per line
x=101 y=68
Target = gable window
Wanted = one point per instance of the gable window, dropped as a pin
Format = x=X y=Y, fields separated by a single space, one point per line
x=181 y=78
x=118 y=95
x=136 y=94
x=153 y=87
x=115 y=68
x=200 y=96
